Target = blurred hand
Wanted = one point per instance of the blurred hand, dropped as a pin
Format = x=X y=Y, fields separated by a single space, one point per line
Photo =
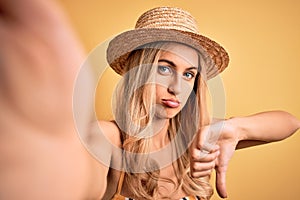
x=40 y=57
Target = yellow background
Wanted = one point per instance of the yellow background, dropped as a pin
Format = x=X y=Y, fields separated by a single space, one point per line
x=263 y=40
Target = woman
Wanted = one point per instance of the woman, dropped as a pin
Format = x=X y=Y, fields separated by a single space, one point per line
x=162 y=125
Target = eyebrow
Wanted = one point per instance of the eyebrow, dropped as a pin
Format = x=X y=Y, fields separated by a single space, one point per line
x=173 y=64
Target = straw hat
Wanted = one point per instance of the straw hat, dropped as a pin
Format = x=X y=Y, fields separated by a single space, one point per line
x=166 y=24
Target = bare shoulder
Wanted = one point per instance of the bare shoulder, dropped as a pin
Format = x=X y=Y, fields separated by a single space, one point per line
x=111 y=131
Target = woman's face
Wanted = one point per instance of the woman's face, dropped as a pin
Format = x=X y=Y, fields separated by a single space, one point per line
x=175 y=78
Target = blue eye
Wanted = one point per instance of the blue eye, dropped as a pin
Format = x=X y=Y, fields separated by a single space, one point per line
x=189 y=75
x=164 y=70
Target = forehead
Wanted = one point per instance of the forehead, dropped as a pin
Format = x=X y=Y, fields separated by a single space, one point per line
x=181 y=53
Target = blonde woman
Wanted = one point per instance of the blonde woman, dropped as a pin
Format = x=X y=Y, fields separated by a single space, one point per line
x=169 y=145
x=41 y=154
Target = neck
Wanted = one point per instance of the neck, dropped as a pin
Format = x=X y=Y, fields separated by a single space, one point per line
x=160 y=137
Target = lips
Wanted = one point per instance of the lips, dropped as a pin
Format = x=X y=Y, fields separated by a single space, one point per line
x=171 y=103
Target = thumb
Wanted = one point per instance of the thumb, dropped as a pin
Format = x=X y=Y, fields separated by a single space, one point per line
x=221 y=182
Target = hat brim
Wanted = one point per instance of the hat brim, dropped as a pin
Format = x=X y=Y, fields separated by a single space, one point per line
x=120 y=47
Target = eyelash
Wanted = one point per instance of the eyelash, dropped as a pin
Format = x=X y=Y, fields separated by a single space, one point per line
x=191 y=74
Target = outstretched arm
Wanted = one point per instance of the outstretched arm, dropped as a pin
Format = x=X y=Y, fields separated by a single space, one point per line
x=41 y=154
x=242 y=132
x=219 y=141
x=40 y=56
x=265 y=127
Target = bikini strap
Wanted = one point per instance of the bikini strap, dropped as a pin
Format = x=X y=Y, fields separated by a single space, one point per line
x=120 y=184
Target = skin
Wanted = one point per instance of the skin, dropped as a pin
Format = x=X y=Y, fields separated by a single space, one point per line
x=175 y=78
x=41 y=156
x=238 y=133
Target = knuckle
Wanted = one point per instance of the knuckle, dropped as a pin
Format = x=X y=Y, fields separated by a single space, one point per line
x=200 y=144
x=194 y=154
x=195 y=175
x=194 y=167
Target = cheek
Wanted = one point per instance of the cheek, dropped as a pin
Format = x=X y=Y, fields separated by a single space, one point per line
x=187 y=90
x=185 y=96
x=159 y=91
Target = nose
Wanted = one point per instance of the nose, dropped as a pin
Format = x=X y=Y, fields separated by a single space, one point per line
x=175 y=85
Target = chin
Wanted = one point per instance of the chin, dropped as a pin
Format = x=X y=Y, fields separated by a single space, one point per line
x=167 y=113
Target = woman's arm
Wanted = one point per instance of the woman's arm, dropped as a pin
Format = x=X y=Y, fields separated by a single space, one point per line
x=264 y=127
x=242 y=132
x=225 y=136
x=40 y=58
x=41 y=154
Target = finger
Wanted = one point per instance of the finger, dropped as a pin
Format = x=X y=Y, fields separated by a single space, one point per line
x=198 y=166
x=206 y=139
x=207 y=147
x=201 y=174
x=203 y=141
x=200 y=156
x=221 y=183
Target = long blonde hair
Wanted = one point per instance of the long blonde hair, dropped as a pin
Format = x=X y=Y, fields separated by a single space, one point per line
x=135 y=97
